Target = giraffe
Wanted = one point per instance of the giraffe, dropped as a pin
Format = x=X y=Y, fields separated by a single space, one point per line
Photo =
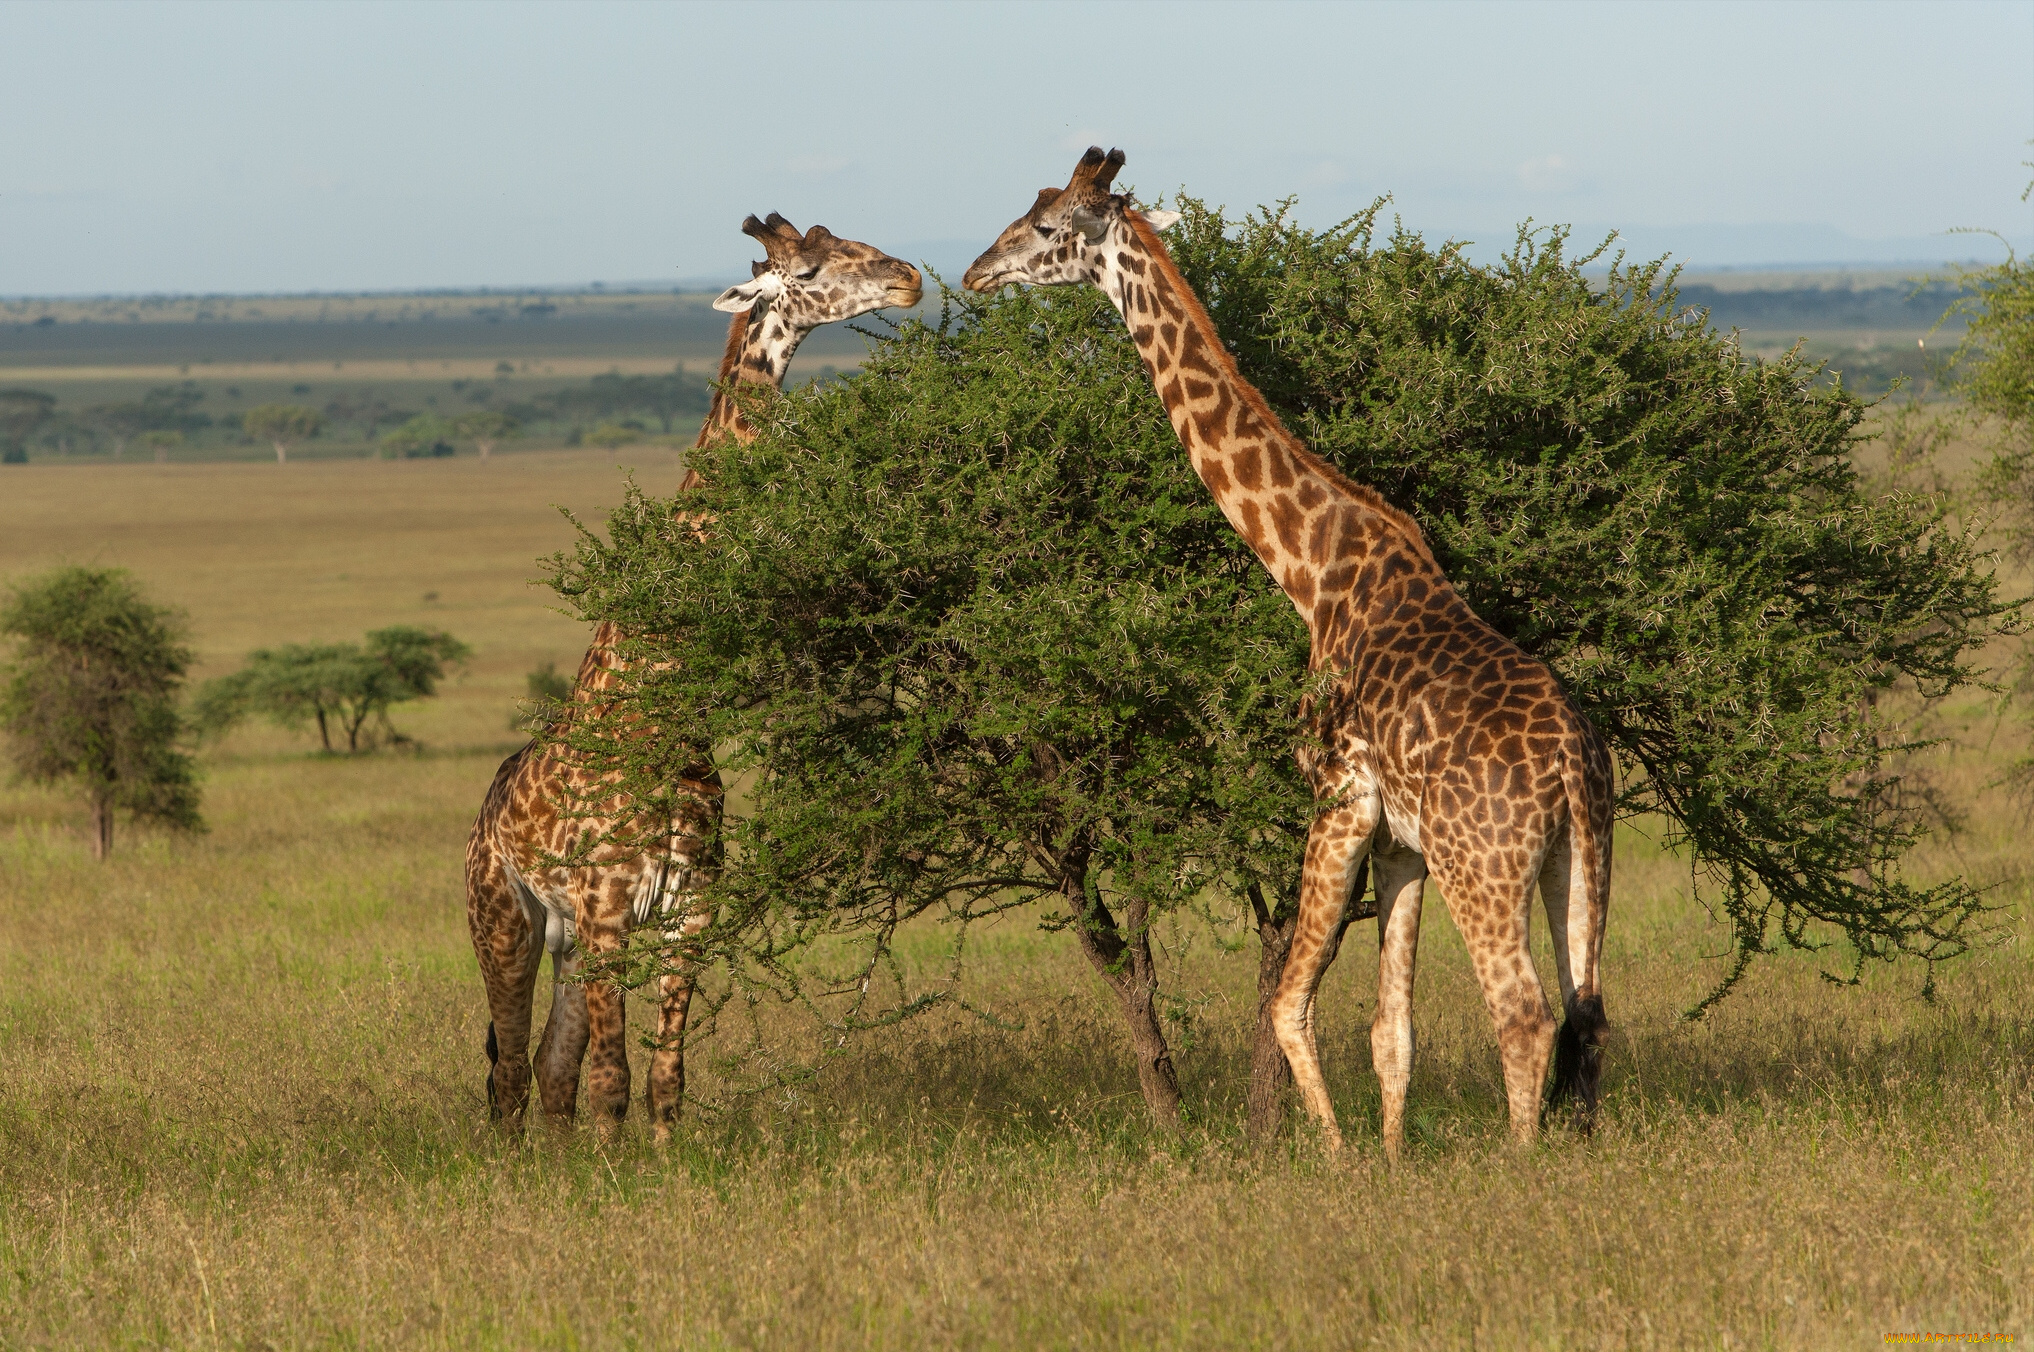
x=1438 y=745
x=520 y=902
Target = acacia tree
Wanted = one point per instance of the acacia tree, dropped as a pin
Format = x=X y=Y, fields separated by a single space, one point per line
x=90 y=697
x=282 y=426
x=487 y=429
x=334 y=685
x=980 y=635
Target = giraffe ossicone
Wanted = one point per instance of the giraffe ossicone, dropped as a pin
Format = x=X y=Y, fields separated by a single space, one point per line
x=646 y=865
x=1441 y=746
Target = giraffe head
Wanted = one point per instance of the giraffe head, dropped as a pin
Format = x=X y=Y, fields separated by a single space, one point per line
x=816 y=278
x=1064 y=238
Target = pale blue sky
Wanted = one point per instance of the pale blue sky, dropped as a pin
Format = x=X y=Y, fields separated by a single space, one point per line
x=293 y=146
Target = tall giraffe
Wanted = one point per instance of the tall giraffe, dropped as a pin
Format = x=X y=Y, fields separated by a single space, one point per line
x=520 y=902
x=1439 y=744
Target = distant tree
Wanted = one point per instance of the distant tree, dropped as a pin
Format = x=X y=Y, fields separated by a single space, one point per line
x=611 y=434
x=162 y=442
x=607 y=398
x=282 y=426
x=422 y=436
x=366 y=410
x=668 y=396
x=120 y=423
x=90 y=696
x=346 y=685
x=488 y=429
x=21 y=412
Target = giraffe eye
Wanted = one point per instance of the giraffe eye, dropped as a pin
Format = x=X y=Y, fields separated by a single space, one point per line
x=806 y=275
x=1044 y=230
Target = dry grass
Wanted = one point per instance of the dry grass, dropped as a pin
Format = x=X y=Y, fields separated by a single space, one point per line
x=240 y=1076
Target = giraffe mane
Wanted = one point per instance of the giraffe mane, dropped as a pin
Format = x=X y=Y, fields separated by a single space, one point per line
x=730 y=363
x=1197 y=314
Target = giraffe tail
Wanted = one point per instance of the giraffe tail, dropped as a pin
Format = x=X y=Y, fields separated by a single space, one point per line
x=1578 y=1052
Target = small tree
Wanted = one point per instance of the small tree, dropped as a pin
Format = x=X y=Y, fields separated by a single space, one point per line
x=282 y=426
x=488 y=429
x=347 y=685
x=91 y=697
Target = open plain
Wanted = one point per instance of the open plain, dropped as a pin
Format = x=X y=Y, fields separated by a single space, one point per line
x=241 y=1074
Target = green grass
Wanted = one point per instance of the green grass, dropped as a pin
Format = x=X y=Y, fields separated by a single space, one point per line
x=240 y=1075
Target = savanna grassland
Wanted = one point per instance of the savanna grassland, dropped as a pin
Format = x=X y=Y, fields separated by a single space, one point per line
x=241 y=1074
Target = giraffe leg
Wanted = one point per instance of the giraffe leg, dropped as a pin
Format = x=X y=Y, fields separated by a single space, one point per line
x=1494 y=916
x=667 y=1063
x=684 y=916
x=1401 y=881
x=1336 y=846
x=1575 y=916
x=564 y=1044
x=506 y=945
x=602 y=931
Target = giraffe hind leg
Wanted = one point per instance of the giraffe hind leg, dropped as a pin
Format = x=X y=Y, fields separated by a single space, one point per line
x=1401 y=881
x=508 y=949
x=1494 y=917
x=565 y=1031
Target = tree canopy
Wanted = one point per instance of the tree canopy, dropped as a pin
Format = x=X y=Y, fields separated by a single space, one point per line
x=91 y=696
x=980 y=635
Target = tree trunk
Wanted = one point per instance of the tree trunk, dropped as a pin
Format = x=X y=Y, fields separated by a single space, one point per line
x=324 y=733
x=102 y=825
x=1126 y=965
x=1270 y=1075
x=282 y=453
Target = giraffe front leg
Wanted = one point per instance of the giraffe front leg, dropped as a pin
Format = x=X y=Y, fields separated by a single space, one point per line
x=1401 y=884
x=1336 y=846
x=607 y=1056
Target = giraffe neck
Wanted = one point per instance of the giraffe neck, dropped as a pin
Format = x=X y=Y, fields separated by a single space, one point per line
x=760 y=344
x=1311 y=526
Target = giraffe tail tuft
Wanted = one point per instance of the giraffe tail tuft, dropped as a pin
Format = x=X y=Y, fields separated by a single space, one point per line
x=1578 y=1060
x=493 y=1057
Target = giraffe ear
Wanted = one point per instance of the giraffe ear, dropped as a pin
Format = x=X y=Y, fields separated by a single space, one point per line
x=1091 y=226
x=1160 y=220
x=769 y=286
